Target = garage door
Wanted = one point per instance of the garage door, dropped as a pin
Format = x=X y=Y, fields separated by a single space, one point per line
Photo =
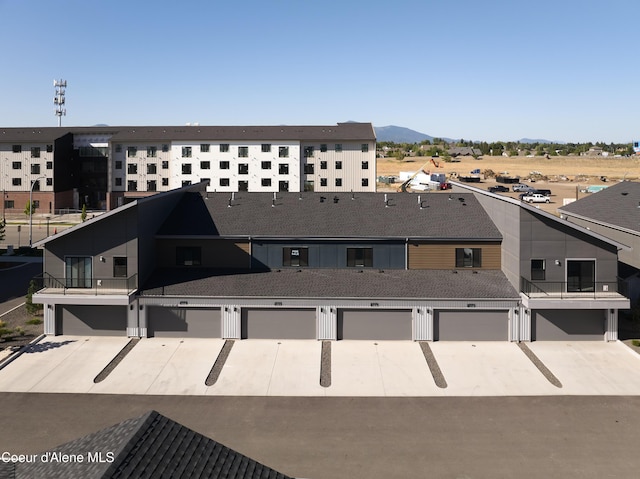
x=581 y=325
x=465 y=325
x=91 y=320
x=269 y=323
x=391 y=324
x=183 y=322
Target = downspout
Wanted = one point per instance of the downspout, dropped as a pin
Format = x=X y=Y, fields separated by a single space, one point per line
x=406 y=253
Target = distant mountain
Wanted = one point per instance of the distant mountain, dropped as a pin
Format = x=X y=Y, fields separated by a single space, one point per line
x=529 y=140
x=399 y=134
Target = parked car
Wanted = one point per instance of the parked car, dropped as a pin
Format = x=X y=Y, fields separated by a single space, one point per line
x=542 y=192
x=498 y=189
x=522 y=188
x=536 y=198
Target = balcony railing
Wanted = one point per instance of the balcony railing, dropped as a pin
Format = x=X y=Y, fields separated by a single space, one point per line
x=563 y=290
x=46 y=283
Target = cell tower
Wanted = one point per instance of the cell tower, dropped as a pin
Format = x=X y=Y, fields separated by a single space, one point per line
x=58 y=100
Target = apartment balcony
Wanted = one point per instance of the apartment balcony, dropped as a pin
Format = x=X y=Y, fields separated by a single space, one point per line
x=51 y=288
x=572 y=294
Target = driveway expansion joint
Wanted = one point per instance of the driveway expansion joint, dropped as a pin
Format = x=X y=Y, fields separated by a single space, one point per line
x=438 y=377
x=546 y=372
x=325 y=365
x=102 y=375
x=214 y=374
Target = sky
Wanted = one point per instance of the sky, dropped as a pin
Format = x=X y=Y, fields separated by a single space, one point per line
x=493 y=70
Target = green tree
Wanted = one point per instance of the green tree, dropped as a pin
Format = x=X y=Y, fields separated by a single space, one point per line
x=32 y=308
x=30 y=208
x=83 y=215
x=3 y=225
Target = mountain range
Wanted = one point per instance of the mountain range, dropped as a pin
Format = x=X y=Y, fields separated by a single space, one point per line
x=399 y=134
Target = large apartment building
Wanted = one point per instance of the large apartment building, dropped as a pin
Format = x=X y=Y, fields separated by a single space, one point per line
x=104 y=166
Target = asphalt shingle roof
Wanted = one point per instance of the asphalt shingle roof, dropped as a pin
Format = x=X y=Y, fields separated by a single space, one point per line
x=443 y=216
x=618 y=205
x=152 y=446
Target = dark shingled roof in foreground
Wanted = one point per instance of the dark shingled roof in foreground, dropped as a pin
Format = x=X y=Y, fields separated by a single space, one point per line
x=443 y=216
x=332 y=283
x=150 y=446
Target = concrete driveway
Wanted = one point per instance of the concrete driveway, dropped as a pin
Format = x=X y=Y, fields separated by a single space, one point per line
x=175 y=366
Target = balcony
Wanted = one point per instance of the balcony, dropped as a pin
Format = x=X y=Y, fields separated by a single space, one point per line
x=569 y=290
x=47 y=284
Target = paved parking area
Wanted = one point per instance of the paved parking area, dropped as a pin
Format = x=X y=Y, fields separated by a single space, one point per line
x=175 y=366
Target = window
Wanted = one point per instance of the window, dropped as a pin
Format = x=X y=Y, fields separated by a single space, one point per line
x=165 y=181
x=365 y=165
x=283 y=169
x=323 y=182
x=224 y=147
x=118 y=148
x=204 y=148
x=323 y=165
x=295 y=257
x=16 y=148
x=49 y=148
x=283 y=186
x=537 y=270
x=186 y=168
x=118 y=181
x=266 y=181
x=243 y=169
x=338 y=148
x=35 y=169
x=35 y=152
x=9 y=204
x=308 y=151
x=78 y=271
x=224 y=181
x=338 y=165
x=36 y=205
x=581 y=275
x=132 y=151
x=224 y=165
x=165 y=148
x=468 y=257
x=360 y=257
x=243 y=152
x=152 y=169
x=36 y=186
x=243 y=186
x=165 y=164
x=188 y=255
x=205 y=165
x=186 y=183
x=152 y=151
x=132 y=185
x=118 y=164
x=49 y=181
x=120 y=267
x=16 y=181
x=323 y=148
x=16 y=165
x=49 y=165
x=308 y=169
x=266 y=165
x=186 y=152
x=283 y=152
x=365 y=182
x=132 y=168
x=308 y=185
x=364 y=148
x=338 y=181
x=266 y=148
x=152 y=185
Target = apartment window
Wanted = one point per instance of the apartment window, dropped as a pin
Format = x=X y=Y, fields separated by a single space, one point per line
x=205 y=165
x=186 y=183
x=224 y=182
x=118 y=181
x=224 y=165
x=165 y=164
x=538 y=270
x=118 y=165
x=283 y=169
x=186 y=168
x=16 y=148
x=243 y=152
x=283 y=152
x=36 y=186
x=36 y=204
x=165 y=148
x=16 y=181
x=204 y=148
x=581 y=275
x=132 y=168
x=283 y=186
x=365 y=182
x=224 y=147
x=338 y=181
x=309 y=185
x=468 y=257
x=78 y=271
x=49 y=148
x=360 y=257
x=35 y=152
x=152 y=185
x=186 y=152
x=323 y=147
x=165 y=181
x=266 y=148
x=49 y=181
x=266 y=165
x=266 y=181
x=308 y=151
x=9 y=204
x=118 y=148
x=323 y=165
x=188 y=255
x=132 y=185
x=120 y=267
x=243 y=186
x=35 y=169
x=364 y=148
x=16 y=165
x=338 y=165
x=338 y=148
x=152 y=169
x=365 y=165
x=132 y=151
x=49 y=165
x=243 y=169
x=152 y=151
x=308 y=169
x=323 y=182
x=295 y=257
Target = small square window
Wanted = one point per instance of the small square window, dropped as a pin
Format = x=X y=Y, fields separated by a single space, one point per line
x=323 y=165
x=338 y=165
x=298 y=257
x=118 y=181
x=151 y=185
x=165 y=148
x=224 y=147
x=359 y=257
x=152 y=169
x=16 y=165
x=283 y=169
x=186 y=183
x=132 y=168
x=468 y=257
x=132 y=185
x=16 y=148
x=165 y=181
x=224 y=181
x=308 y=169
x=323 y=148
x=364 y=148
x=49 y=148
x=365 y=165
x=243 y=169
x=266 y=165
x=49 y=165
x=35 y=152
x=186 y=152
x=132 y=152
x=16 y=181
x=204 y=148
x=152 y=152
x=323 y=182
x=266 y=182
x=49 y=181
x=118 y=164
x=243 y=152
x=365 y=181
x=283 y=152
x=35 y=169
x=538 y=270
x=308 y=151
x=186 y=168
x=205 y=165
x=266 y=148
x=338 y=181
x=188 y=255
x=118 y=148
x=120 y=267
x=338 y=147
x=165 y=164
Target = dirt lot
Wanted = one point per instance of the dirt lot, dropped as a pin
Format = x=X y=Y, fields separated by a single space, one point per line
x=564 y=176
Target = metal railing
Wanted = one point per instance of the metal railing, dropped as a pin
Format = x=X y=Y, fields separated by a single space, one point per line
x=93 y=286
x=564 y=289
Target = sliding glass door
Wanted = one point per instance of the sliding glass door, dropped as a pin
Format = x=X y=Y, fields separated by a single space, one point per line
x=78 y=271
x=581 y=275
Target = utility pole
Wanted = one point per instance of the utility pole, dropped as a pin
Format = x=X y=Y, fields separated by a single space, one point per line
x=58 y=100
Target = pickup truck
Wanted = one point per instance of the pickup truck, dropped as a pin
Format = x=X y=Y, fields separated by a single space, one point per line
x=522 y=188
x=536 y=198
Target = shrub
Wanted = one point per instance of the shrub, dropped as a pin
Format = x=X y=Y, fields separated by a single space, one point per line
x=29 y=304
x=34 y=321
x=636 y=342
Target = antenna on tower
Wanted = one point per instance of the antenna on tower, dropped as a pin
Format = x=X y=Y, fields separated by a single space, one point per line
x=58 y=100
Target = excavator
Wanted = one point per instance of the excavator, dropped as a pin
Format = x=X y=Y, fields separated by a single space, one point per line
x=403 y=187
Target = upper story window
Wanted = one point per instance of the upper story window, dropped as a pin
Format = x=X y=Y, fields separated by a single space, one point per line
x=120 y=267
x=538 y=268
x=152 y=151
x=118 y=164
x=224 y=165
x=323 y=147
x=35 y=152
x=308 y=169
x=266 y=165
x=468 y=257
x=132 y=168
x=243 y=169
x=152 y=169
x=35 y=169
x=16 y=165
x=224 y=147
x=266 y=148
x=365 y=165
x=204 y=148
x=165 y=164
x=205 y=165
x=308 y=151
x=132 y=151
x=365 y=182
x=323 y=165
x=132 y=185
x=165 y=148
x=186 y=168
x=364 y=147
x=360 y=257
x=188 y=255
x=338 y=148
x=49 y=148
x=283 y=169
x=295 y=257
x=243 y=152
x=16 y=148
x=118 y=148
x=283 y=152
x=186 y=152
x=152 y=185
x=338 y=165
x=49 y=165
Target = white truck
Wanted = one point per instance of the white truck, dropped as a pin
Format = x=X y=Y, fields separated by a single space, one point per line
x=536 y=198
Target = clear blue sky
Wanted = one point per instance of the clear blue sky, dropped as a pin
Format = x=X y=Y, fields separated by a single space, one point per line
x=560 y=70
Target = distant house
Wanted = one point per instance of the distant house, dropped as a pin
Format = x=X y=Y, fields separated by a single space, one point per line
x=464 y=151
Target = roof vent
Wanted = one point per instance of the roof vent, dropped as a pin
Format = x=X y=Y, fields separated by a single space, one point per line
x=336 y=199
x=322 y=198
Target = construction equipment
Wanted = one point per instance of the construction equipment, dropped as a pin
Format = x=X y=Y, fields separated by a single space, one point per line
x=436 y=163
x=405 y=184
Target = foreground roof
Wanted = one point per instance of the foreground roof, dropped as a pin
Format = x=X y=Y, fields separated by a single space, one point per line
x=150 y=446
x=331 y=215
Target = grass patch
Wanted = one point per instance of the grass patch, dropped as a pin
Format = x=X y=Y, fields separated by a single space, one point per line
x=636 y=342
x=34 y=321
